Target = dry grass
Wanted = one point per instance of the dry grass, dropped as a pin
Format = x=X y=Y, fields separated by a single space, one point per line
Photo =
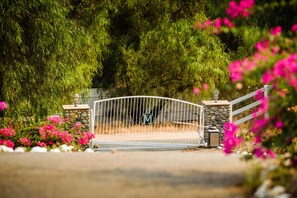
x=118 y=127
x=245 y=132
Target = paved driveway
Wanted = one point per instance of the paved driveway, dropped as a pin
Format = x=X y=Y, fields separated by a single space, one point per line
x=202 y=173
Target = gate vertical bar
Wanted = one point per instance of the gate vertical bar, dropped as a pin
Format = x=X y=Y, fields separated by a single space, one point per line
x=200 y=125
x=92 y=125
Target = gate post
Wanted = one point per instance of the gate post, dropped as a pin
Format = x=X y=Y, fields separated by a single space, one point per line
x=79 y=113
x=216 y=114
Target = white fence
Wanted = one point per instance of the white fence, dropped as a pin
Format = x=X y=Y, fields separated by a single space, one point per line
x=143 y=122
x=264 y=90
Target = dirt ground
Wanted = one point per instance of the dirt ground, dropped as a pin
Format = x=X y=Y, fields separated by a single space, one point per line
x=195 y=173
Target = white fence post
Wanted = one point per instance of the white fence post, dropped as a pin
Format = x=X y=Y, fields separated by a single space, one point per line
x=266 y=92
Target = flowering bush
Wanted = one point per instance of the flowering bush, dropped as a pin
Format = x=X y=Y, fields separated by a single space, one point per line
x=49 y=134
x=273 y=62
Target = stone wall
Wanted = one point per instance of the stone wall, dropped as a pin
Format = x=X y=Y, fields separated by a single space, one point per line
x=81 y=113
x=216 y=114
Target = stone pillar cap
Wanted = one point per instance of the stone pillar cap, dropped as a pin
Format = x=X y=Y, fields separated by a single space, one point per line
x=213 y=103
x=79 y=106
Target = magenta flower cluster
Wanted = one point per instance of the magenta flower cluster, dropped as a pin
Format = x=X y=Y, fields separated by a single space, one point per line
x=5 y=134
x=242 y=8
x=3 y=105
x=234 y=10
x=7 y=143
x=285 y=68
x=231 y=140
x=216 y=24
x=25 y=142
x=50 y=135
x=85 y=138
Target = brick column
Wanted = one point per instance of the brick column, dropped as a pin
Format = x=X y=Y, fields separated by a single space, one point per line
x=80 y=113
x=216 y=114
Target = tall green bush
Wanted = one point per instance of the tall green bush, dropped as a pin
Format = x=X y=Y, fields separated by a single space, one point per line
x=45 y=56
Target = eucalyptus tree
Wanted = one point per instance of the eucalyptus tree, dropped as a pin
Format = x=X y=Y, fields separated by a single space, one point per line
x=155 y=50
x=171 y=60
x=46 y=55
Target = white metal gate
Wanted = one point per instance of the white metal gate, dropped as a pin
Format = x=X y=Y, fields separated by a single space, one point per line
x=146 y=122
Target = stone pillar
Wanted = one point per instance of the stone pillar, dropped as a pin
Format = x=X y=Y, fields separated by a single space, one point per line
x=216 y=114
x=80 y=113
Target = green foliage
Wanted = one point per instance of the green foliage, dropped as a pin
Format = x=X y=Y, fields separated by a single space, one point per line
x=171 y=59
x=50 y=50
x=45 y=56
x=156 y=51
x=253 y=177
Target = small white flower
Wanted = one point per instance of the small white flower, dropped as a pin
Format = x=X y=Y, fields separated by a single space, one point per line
x=70 y=148
x=64 y=148
x=38 y=149
x=89 y=150
x=244 y=153
x=55 y=150
x=19 y=150
x=5 y=148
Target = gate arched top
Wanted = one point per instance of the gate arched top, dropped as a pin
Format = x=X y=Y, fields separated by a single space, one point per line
x=152 y=97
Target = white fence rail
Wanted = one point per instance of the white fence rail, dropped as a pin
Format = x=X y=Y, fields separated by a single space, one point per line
x=236 y=112
x=142 y=122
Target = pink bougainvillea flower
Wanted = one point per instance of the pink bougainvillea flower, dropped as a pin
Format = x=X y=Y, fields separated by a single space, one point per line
x=228 y=23
x=279 y=124
x=66 y=137
x=83 y=141
x=234 y=9
x=259 y=125
x=78 y=125
x=196 y=90
x=25 y=141
x=85 y=138
x=230 y=139
x=205 y=86
x=294 y=28
x=41 y=144
x=259 y=95
x=235 y=70
x=7 y=132
x=260 y=152
x=218 y=23
x=270 y=153
x=242 y=8
x=246 y=4
x=3 y=105
x=262 y=45
x=276 y=31
x=49 y=127
x=208 y=23
x=287 y=69
x=90 y=135
x=275 y=49
x=267 y=77
x=8 y=143
x=54 y=119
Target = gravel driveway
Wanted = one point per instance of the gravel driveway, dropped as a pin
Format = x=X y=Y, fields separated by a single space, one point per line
x=199 y=173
